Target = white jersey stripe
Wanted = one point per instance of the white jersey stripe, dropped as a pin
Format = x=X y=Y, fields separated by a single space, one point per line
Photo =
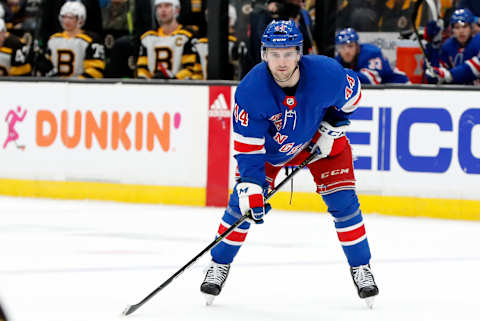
x=474 y=65
x=248 y=140
x=261 y=151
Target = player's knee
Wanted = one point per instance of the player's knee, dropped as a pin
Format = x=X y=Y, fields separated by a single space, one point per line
x=342 y=203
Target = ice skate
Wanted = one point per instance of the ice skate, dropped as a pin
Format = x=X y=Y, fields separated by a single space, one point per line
x=216 y=275
x=363 y=279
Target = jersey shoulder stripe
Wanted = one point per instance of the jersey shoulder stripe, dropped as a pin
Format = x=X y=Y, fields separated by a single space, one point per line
x=149 y=33
x=58 y=35
x=183 y=32
x=85 y=37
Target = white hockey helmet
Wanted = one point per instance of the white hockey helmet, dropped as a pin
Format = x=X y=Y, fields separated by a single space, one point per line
x=174 y=3
x=75 y=8
x=3 y=28
x=2 y=11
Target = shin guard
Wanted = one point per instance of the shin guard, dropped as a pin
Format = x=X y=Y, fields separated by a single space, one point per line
x=225 y=251
x=345 y=209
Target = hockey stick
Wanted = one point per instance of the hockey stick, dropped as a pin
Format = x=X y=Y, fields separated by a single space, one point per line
x=415 y=30
x=132 y=308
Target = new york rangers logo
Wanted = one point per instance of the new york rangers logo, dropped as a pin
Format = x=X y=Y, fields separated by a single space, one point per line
x=290 y=102
x=277 y=120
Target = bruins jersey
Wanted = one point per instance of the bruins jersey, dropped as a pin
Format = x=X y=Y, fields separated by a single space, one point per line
x=80 y=56
x=13 y=57
x=173 y=53
x=201 y=47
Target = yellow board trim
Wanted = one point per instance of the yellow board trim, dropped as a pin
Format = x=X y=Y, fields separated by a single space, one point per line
x=175 y=195
x=192 y=196
x=387 y=205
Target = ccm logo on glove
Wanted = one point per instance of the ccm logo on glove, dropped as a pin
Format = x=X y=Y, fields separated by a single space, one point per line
x=328 y=141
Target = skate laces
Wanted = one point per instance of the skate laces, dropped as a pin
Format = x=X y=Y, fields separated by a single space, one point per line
x=217 y=273
x=362 y=275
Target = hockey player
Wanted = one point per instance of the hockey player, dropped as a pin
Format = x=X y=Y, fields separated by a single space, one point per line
x=74 y=52
x=287 y=107
x=458 y=61
x=13 y=54
x=167 y=52
x=366 y=60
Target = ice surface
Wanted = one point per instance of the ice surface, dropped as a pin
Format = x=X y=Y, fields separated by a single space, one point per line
x=86 y=260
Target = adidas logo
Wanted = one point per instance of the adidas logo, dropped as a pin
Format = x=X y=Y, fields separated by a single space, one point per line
x=219 y=108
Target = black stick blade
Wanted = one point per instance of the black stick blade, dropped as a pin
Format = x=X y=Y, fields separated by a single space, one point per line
x=130 y=309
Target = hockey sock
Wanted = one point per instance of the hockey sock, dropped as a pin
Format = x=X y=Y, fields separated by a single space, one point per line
x=225 y=251
x=345 y=209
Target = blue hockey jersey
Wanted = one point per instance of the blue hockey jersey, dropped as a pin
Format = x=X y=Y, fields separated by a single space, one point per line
x=373 y=68
x=463 y=63
x=269 y=126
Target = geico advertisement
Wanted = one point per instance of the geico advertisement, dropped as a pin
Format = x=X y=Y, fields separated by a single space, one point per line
x=420 y=143
x=102 y=132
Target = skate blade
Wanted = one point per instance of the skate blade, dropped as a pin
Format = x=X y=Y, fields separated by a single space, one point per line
x=209 y=299
x=370 y=302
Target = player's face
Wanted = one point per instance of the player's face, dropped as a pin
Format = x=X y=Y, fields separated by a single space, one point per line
x=282 y=61
x=348 y=51
x=165 y=13
x=462 y=31
x=69 y=22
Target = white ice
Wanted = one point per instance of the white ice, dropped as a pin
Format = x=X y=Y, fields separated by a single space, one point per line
x=86 y=260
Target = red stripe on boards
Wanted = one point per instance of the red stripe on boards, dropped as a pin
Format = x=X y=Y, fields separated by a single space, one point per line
x=218 y=160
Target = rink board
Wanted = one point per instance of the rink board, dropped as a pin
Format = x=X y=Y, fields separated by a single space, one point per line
x=417 y=150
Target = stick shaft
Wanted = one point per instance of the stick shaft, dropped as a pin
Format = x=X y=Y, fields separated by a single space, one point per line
x=132 y=308
x=415 y=30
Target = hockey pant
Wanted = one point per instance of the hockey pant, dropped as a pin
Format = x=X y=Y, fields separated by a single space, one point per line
x=335 y=182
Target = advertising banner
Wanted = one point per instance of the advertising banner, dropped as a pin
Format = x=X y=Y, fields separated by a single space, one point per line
x=134 y=134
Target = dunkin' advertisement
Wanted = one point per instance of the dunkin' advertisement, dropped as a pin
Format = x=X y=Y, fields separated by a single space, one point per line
x=103 y=132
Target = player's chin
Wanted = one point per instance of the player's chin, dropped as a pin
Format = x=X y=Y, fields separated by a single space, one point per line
x=283 y=75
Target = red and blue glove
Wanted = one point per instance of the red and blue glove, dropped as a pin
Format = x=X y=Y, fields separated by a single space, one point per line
x=250 y=197
x=440 y=74
x=329 y=140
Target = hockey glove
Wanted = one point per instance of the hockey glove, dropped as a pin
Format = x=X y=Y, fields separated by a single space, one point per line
x=329 y=140
x=433 y=32
x=441 y=74
x=250 y=197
